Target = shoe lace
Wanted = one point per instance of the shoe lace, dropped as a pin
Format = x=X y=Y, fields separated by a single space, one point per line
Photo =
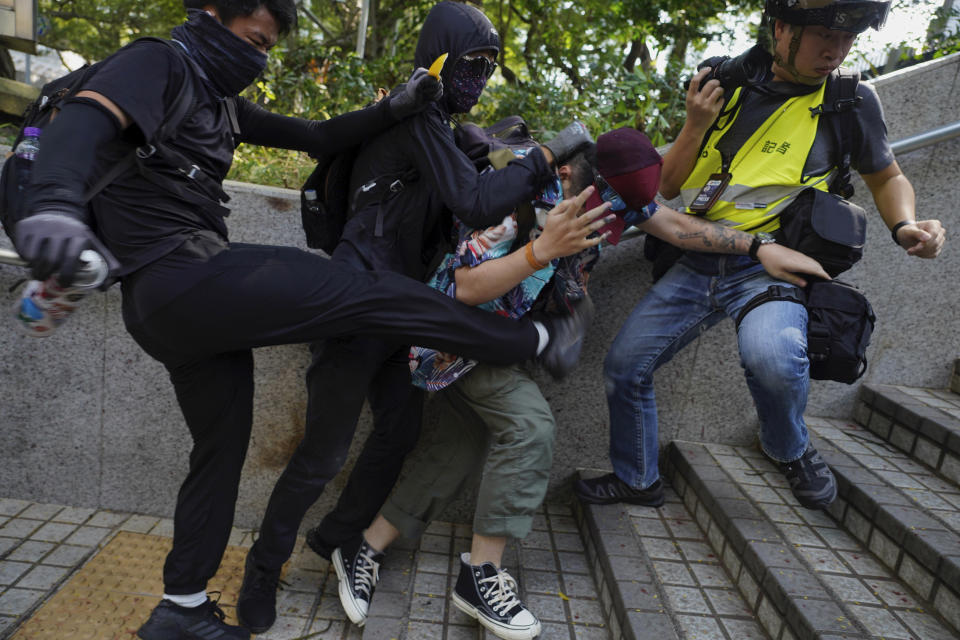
x=806 y=468
x=366 y=571
x=215 y=606
x=500 y=595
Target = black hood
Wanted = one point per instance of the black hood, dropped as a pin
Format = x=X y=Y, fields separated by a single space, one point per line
x=456 y=29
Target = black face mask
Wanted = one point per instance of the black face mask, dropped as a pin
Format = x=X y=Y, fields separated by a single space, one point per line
x=230 y=62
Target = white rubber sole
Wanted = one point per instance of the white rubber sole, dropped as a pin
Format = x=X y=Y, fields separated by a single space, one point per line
x=499 y=629
x=347 y=601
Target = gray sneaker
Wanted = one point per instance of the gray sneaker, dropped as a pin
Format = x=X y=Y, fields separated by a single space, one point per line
x=811 y=480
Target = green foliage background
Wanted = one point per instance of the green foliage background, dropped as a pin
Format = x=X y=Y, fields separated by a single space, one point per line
x=592 y=60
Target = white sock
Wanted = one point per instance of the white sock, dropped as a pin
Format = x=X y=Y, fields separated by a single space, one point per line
x=190 y=600
x=544 y=337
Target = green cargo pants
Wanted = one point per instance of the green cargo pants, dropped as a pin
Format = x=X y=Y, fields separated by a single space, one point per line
x=494 y=411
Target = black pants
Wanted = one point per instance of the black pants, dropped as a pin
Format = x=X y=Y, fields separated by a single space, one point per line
x=343 y=372
x=250 y=296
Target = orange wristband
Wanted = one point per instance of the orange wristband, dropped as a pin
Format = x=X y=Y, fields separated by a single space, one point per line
x=531 y=259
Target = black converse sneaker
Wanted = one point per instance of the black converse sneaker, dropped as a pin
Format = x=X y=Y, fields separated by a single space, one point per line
x=358 y=569
x=811 y=480
x=488 y=594
x=170 y=621
x=257 y=602
x=609 y=489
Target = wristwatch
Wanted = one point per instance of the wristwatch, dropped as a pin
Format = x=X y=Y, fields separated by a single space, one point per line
x=759 y=239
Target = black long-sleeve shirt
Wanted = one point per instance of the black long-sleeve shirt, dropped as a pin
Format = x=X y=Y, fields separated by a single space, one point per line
x=140 y=221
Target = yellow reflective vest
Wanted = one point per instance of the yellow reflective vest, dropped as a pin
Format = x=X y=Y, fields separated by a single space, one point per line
x=767 y=171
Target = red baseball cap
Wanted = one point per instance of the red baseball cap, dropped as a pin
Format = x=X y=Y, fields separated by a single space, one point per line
x=630 y=165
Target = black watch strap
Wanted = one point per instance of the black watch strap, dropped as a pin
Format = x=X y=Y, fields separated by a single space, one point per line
x=754 y=247
x=896 y=227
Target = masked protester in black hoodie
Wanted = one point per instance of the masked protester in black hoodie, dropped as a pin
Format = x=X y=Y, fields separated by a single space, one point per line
x=193 y=300
x=406 y=182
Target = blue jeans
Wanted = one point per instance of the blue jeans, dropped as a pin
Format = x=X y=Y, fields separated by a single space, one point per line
x=695 y=294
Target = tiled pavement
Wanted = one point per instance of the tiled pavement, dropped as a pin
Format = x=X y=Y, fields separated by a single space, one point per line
x=41 y=545
x=730 y=555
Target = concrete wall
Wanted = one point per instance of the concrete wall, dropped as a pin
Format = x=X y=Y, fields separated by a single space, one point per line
x=88 y=419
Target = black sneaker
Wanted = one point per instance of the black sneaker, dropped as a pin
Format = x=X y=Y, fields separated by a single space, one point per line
x=170 y=621
x=609 y=489
x=257 y=602
x=811 y=480
x=489 y=594
x=358 y=569
x=566 y=331
x=320 y=546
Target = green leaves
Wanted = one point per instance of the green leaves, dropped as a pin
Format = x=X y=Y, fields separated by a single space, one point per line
x=592 y=60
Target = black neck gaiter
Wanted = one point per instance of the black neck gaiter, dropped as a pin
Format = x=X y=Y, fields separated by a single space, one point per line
x=231 y=63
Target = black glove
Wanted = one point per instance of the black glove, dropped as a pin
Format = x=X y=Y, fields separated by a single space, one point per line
x=566 y=143
x=51 y=242
x=413 y=97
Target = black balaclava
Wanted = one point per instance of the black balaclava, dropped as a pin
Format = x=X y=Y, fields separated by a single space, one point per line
x=458 y=30
x=230 y=62
x=467 y=81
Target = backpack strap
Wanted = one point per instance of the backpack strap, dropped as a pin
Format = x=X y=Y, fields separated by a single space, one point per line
x=774 y=292
x=186 y=101
x=839 y=103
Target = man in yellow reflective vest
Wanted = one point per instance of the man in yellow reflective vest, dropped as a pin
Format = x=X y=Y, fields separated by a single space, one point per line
x=748 y=147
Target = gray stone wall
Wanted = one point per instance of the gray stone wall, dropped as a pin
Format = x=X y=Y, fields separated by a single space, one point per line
x=88 y=419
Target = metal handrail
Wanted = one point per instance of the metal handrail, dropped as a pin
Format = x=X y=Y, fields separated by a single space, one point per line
x=922 y=140
x=906 y=145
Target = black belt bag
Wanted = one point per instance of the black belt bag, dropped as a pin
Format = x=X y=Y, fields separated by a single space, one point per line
x=825 y=227
x=840 y=322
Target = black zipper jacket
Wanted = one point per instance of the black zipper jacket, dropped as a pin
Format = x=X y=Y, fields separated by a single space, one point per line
x=414 y=222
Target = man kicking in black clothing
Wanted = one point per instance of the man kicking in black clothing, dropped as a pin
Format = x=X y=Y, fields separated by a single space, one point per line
x=198 y=303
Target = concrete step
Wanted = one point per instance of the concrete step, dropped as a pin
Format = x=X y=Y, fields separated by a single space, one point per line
x=905 y=513
x=924 y=423
x=660 y=576
x=802 y=573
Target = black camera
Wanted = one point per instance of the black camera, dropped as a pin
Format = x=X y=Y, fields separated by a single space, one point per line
x=748 y=68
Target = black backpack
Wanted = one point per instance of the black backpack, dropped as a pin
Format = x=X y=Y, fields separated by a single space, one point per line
x=42 y=111
x=840 y=323
x=325 y=197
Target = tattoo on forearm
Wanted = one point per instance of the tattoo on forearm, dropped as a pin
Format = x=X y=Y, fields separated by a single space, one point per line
x=690 y=235
x=717 y=237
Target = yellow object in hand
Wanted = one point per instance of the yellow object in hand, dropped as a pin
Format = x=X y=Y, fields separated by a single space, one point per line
x=437 y=66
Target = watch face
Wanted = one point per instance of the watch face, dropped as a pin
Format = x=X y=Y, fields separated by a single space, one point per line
x=765 y=238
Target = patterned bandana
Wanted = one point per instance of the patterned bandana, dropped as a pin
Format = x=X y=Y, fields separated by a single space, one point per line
x=467 y=81
x=230 y=62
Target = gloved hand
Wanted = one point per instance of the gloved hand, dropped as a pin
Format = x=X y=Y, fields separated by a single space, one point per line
x=420 y=90
x=51 y=242
x=566 y=143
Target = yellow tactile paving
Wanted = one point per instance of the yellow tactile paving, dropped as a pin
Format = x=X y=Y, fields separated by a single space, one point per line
x=113 y=594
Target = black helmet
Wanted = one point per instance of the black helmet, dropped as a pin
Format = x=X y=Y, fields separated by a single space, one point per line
x=855 y=16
